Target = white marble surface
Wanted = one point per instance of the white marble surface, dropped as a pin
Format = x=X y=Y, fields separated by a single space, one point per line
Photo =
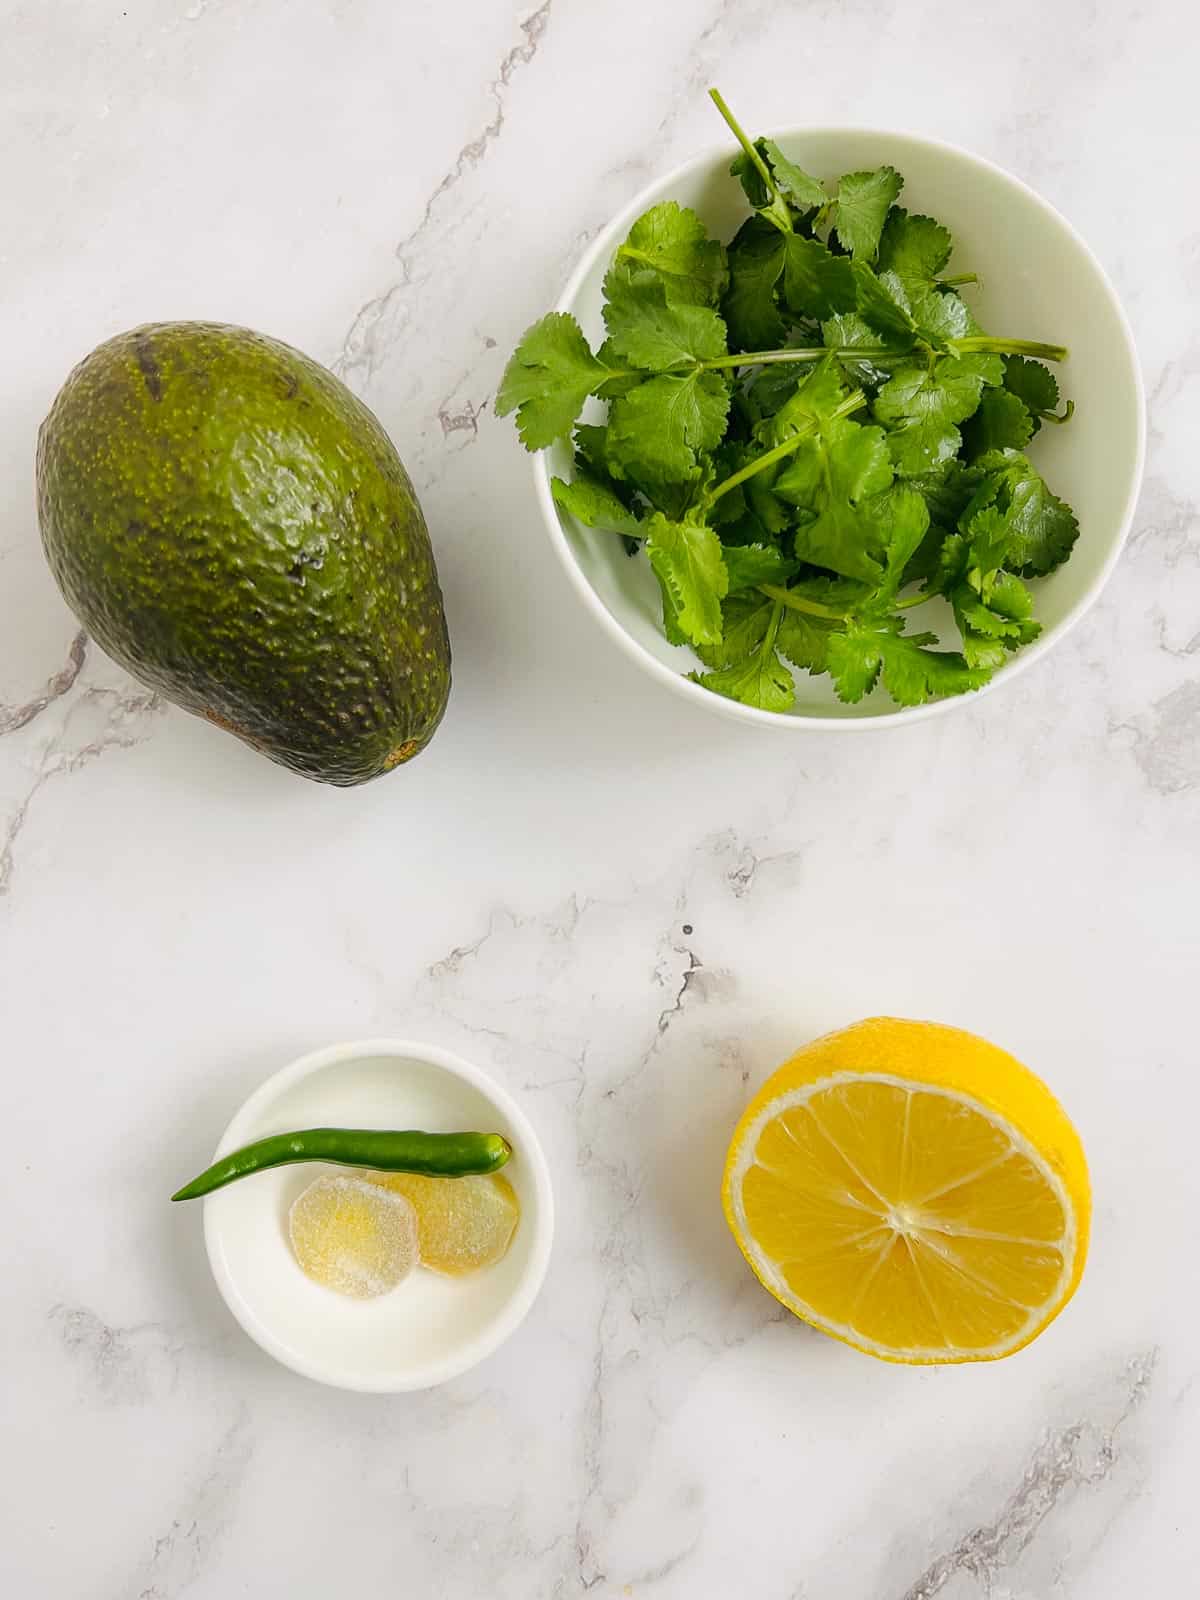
x=629 y=909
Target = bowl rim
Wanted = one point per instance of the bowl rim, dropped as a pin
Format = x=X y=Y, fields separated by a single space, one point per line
x=511 y=1313
x=801 y=720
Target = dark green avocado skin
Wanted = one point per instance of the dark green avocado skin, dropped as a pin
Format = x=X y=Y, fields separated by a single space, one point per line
x=235 y=528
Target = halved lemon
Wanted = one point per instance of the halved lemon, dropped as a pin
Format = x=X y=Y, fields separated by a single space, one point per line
x=912 y=1190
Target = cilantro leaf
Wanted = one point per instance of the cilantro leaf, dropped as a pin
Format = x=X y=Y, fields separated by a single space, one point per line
x=804 y=640
x=671 y=240
x=751 y=302
x=1001 y=423
x=595 y=504
x=591 y=452
x=674 y=633
x=854 y=661
x=914 y=248
x=849 y=330
x=903 y=517
x=922 y=405
x=688 y=561
x=912 y=673
x=993 y=609
x=794 y=184
x=775 y=517
x=816 y=283
x=862 y=204
x=761 y=680
x=652 y=333
x=549 y=376
x=1041 y=528
x=946 y=492
x=1036 y=387
x=814 y=397
x=748 y=565
x=754 y=675
x=745 y=620
x=941 y=315
x=804 y=192
x=657 y=431
x=830 y=477
x=882 y=303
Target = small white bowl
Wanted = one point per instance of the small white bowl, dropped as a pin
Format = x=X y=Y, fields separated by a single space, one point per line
x=1039 y=281
x=430 y=1328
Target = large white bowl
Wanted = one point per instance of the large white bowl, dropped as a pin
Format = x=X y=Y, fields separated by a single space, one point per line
x=1039 y=281
x=430 y=1328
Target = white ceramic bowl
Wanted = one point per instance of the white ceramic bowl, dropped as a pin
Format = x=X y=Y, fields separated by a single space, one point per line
x=429 y=1329
x=1039 y=281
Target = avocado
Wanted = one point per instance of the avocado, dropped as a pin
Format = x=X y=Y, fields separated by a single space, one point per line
x=235 y=529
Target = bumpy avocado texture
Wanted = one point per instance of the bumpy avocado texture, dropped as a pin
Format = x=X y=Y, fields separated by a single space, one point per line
x=235 y=528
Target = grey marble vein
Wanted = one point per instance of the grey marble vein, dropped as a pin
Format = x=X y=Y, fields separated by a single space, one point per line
x=1166 y=740
x=464 y=420
x=119 y=1365
x=63 y=681
x=1168 y=524
x=379 y=322
x=179 y=1555
x=123 y=713
x=1072 y=1458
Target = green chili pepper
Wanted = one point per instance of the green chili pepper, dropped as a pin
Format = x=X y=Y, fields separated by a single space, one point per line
x=435 y=1155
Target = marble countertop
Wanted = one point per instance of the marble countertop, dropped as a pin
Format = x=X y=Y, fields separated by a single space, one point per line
x=628 y=909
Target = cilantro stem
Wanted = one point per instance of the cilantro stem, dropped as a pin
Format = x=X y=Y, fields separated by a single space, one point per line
x=811 y=608
x=762 y=358
x=777 y=211
x=980 y=343
x=850 y=403
x=1053 y=416
x=772 y=632
x=740 y=134
x=962 y=277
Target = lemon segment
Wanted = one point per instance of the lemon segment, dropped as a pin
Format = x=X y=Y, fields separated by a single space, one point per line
x=912 y=1190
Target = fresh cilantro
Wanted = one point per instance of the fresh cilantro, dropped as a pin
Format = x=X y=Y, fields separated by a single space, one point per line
x=922 y=404
x=657 y=432
x=1037 y=388
x=805 y=640
x=829 y=480
x=745 y=620
x=914 y=248
x=803 y=192
x=690 y=565
x=595 y=504
x=672 y=241
x=651 y=333
x=882 y=304
x=760 y=679
x=591 y=452
x=751 y=304
x=1002 y=422
x=811 y=400
x=816 y=283
x=750 y=565
x=862 y=204
x=787 y=517
x=912 y=673
x=551 y=374
x=1041 y=528
x=992 y=607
